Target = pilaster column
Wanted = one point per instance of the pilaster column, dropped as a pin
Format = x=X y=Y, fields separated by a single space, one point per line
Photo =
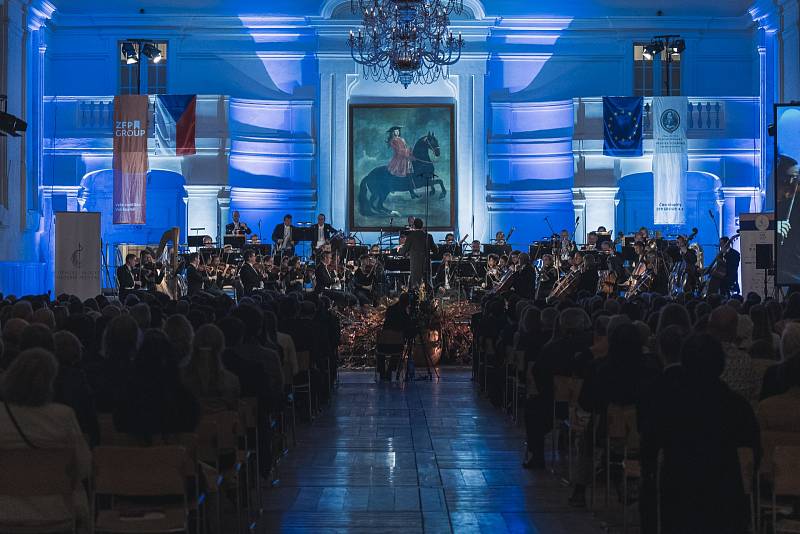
x=202 y=211
x=224 y=208
x=736 y=200
x=599 y=208
x=579 y=206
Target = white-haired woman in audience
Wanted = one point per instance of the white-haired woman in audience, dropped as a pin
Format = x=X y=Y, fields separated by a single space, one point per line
x=205 y=375
x=30 y=420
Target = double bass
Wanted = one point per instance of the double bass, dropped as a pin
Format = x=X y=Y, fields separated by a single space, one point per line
x=679 y=276
x=718 y=270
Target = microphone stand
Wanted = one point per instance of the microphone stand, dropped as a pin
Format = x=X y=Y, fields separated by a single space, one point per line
x=552 y=232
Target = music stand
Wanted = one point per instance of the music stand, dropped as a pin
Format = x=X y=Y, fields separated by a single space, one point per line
x=234 y=240
x=497 y=249
x=194 y=241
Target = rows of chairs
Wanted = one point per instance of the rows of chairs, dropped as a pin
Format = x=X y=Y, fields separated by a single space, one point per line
x=778 y=472
x=170 y=486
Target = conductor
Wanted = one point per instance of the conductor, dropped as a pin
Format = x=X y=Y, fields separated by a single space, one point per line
x=418 y=246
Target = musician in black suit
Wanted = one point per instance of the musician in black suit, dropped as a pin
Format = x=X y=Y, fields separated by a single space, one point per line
x=237 y=227
x=418 y=247
x=126 y=276
x=322 y=232
x=248 y=275
x=547 y=277
x=196 y=278
x=282 y=236
x=150 y=273
x=451 y=245
x=326 y=278
x=445 y=274
x=732 y=260
x=364 y=281
x=525 y=277
x=323 y=274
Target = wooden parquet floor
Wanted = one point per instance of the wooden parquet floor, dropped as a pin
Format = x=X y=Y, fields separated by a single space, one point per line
x=427 y=457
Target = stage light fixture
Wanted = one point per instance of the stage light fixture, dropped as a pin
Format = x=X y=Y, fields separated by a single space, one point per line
x=678 y=46
x=129 y=51
x=652 y=49
x=152 y=52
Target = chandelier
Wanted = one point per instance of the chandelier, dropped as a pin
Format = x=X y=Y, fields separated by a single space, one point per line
x=405 y=41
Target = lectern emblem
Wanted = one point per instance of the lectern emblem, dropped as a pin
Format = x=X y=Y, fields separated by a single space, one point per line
x=76 y=257
x=670 y=120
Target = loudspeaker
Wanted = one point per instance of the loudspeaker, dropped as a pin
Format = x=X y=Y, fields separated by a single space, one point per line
x=764 y=256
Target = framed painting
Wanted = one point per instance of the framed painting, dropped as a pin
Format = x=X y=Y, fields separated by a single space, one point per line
x=402 y=163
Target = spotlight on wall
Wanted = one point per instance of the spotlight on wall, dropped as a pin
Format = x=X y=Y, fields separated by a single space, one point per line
x=129 y=51
x=9 y=124
x=652 y=49
x=152 y=52
x=678 y=46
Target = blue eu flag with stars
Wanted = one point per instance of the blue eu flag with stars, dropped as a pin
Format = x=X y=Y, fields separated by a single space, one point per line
x=622 y=125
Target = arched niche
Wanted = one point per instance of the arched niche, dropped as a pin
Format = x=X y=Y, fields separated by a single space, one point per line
x=165 y=206
x=635 y=208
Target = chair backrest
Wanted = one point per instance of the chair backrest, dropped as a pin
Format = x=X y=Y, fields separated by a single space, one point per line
x=786 y=471
x=747 y=467
x=218 y=433
x=37 y=473
x=248 y=412
x=303 y=360
x=141 y=471
x=566 y=389
x=770 y=440
x=519 y=360
x=109 y=435
x=621 y=424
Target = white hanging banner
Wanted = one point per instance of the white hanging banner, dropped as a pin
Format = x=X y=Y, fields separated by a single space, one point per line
x=77 y=266
x=670 y=159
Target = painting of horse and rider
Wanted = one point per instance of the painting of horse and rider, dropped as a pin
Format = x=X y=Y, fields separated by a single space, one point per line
x=402 y=163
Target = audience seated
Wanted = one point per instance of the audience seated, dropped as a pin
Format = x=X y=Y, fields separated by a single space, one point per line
x=153 y=404
x=777 y=378
x=572 y=336
x=692 y=367
x=738 y=372
x=205 y=375
x=699 y=427
x=29 y=419
x=780 y=412
x=71 y=385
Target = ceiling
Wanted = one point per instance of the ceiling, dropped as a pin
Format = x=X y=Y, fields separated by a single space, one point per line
x=529 y=8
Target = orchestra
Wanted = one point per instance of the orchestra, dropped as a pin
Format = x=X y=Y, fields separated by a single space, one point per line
x=318 y=258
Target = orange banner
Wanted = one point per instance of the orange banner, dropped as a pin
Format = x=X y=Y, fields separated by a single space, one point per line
x=130 y=158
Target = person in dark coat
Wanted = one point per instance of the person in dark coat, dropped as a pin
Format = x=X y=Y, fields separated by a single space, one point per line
x=671 y=382
x=573 y=335
x=418 y=247
x=621 y=378
x=154 y=404
x=700 y=428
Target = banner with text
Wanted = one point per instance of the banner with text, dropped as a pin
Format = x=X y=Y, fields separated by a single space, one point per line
x=757 y=229
x=130 y=158
x=670 y=159
x=77 y=262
